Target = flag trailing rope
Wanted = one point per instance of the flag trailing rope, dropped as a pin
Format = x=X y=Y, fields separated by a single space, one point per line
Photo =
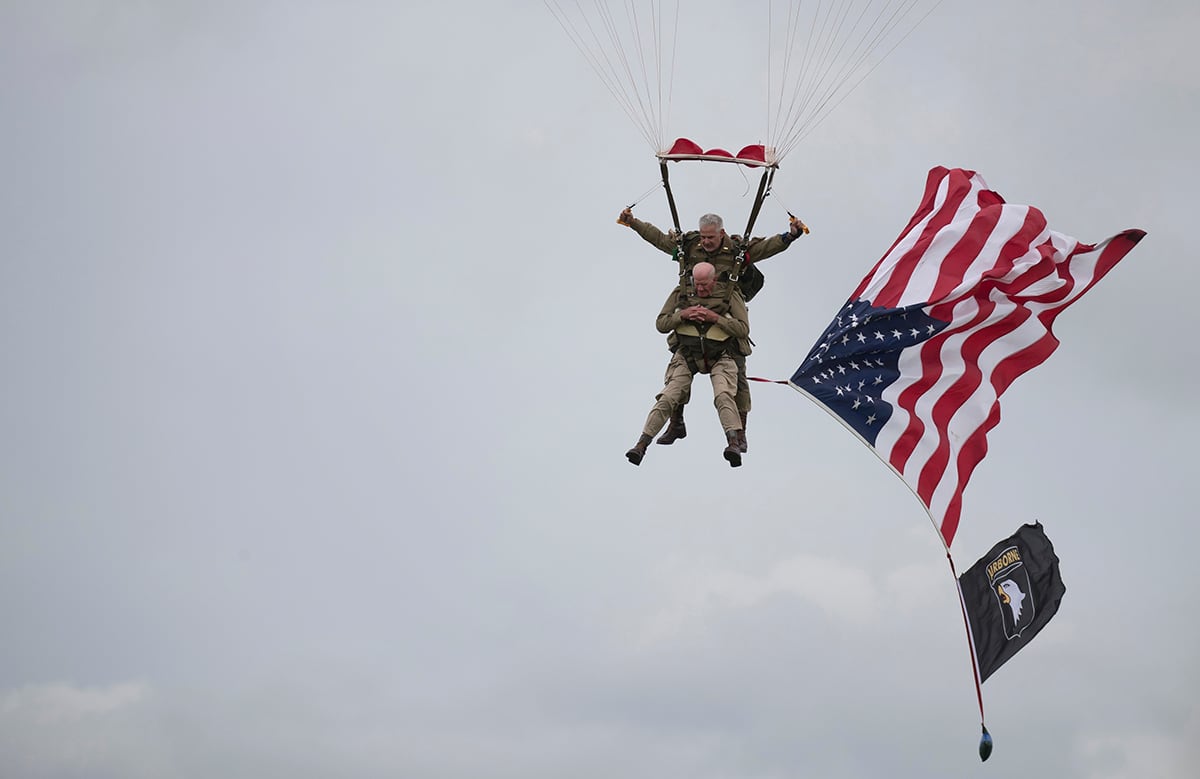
x=1009 y=595
x=960 y=306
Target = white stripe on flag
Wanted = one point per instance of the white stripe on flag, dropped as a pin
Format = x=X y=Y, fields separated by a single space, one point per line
x=982 y=264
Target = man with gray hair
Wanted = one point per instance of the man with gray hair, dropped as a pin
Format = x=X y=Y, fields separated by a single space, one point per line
x=713 y=245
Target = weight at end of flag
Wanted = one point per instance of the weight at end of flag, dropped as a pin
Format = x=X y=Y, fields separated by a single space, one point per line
x=985 y=745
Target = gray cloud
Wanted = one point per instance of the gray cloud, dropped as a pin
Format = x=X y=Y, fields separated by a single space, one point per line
x=322 y=350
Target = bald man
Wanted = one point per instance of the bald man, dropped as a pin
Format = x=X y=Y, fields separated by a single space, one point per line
x=710 y=243
x=707 y=328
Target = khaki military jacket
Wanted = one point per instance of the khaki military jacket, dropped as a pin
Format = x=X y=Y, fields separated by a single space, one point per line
x=723 y=258
x=735 y=321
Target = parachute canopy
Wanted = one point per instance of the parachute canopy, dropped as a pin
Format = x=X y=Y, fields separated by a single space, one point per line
x=755 y=156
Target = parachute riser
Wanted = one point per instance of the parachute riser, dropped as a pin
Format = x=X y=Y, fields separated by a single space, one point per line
x=679 y=251
x=764 y=189
x=666 y=178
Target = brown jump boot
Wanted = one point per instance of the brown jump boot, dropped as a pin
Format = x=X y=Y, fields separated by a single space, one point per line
x=732 y=453
x=742 y=433
x=675 y=430
x=638 y=451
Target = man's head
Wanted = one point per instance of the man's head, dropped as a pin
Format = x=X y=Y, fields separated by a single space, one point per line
x=704 y=277
x=712 y=232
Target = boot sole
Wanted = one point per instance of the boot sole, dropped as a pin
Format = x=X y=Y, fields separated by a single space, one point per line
x=734 y=458
x=633 y=457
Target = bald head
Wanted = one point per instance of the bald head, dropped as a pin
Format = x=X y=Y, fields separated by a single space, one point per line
x=704 y=276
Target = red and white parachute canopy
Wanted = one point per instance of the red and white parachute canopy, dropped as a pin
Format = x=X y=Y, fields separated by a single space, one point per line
x=755 y=156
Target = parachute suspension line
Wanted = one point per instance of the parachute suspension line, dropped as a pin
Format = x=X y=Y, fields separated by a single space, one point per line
x=653 y=111
x=822 y=61
x=643 y=196
x=783 y=205
x=812 y=48
x=786 y=56
x=868 y=72
x=819 y=58
x=842 y=41
x=635 y=30
x=671 y=72
x=597 y=57
x=770 y=69
x=898 y=16
x=625 y=49
x=801 y=79
x=656 y=32
x=829 y=54
x=872 y=38
x=659 y=29
x=650 y=121
x=792 y=31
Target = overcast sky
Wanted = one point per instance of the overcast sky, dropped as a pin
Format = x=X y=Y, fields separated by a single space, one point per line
x=321 y=353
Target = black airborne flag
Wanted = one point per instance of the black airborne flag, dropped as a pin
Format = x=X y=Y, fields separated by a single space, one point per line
x=1010 y=594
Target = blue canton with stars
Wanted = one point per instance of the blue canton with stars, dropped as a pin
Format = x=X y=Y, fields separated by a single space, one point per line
x=856 y=359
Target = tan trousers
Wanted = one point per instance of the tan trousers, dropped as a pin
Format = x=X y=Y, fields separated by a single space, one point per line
x=743 y=387
x=677 y=386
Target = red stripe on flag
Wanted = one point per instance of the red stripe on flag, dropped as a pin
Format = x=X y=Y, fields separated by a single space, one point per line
x=933 y=183
x=997 y=277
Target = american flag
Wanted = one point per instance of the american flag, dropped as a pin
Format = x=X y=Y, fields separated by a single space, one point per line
x=960 y=306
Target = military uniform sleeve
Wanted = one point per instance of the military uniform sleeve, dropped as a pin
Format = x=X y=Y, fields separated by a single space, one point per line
x=737 y=321
x=668 y=317
x=652 y=235
x=762 y=248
